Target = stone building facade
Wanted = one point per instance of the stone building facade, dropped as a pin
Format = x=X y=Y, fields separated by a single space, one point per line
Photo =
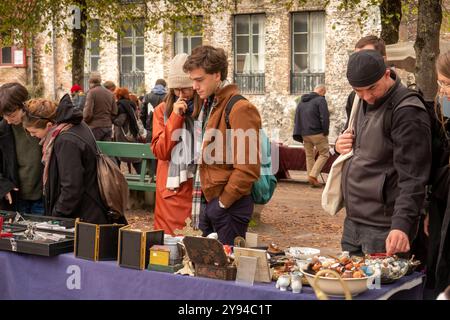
x=277 y=92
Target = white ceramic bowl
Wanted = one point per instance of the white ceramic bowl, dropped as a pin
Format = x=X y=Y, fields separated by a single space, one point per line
x=333 y=287
x=303 y=253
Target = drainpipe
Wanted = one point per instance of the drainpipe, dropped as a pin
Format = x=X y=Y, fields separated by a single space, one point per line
x=31 y=67
x=55 y=60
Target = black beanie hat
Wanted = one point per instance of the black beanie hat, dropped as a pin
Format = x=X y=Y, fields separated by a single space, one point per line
x=365 y=67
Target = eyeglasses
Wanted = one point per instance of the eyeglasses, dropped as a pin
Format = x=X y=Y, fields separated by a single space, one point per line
x=183 y=90
x=443 y=85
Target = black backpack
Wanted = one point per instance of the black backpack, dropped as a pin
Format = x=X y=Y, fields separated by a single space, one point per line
x=439 y=142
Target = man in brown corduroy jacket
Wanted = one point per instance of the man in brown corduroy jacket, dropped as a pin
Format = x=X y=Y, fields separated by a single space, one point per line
x=226 y=177
x=100 y=109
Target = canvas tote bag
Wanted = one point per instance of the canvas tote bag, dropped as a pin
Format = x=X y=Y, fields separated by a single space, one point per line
x=332 y=199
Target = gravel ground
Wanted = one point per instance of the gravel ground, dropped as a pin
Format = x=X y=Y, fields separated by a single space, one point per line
x=293 y=217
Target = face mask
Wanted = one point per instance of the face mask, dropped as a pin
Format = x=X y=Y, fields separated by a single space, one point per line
x=190 y=105
x=445 y=103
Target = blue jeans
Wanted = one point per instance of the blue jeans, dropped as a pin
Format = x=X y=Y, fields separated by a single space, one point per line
x=30 y=206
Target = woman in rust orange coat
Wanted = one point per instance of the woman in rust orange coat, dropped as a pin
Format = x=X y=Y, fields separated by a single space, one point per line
x=173 y=146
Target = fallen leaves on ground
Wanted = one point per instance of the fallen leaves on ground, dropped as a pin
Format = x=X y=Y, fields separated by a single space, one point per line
x=293 y=217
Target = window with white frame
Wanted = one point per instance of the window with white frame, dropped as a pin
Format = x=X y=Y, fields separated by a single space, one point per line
x=249 y=52
x=92 y=52
x=92 y=55
x=132 y=48
x=184 y=42
x=132 y=56
x=308 y=51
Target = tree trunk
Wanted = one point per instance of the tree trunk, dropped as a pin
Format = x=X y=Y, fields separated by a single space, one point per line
x=427 y=46
x=79 y=46
x=391 y=15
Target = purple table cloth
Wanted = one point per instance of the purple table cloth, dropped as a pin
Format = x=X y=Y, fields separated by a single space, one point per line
x=66 y=277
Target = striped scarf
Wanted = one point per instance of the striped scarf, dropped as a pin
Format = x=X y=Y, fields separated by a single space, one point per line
x=47 y=147
x=198 y=200
x=181 y=165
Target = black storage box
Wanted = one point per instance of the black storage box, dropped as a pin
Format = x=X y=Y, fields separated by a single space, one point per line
x=45 y=244
x=7 y=215
x=47 y=223
x=96 y=241
x=134 y=246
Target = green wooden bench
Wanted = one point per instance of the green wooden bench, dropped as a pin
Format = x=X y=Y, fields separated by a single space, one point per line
x=141 y=181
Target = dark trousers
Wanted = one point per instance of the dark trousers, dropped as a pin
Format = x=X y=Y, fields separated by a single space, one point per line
x=359 y=239
x=30 y=206
x=228 y=223
x=102 y=134
x=152 y=168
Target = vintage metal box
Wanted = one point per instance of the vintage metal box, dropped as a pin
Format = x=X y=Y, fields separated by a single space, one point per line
x=209 y=258
x=96 y=241
x=134 y=246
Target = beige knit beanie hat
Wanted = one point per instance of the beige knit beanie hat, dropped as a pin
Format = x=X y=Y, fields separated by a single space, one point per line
x=177 y=78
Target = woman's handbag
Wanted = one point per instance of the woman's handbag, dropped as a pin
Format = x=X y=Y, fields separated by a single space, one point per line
x=332 y=199
x=142 y=134
x=142 y=131
x=112 y=184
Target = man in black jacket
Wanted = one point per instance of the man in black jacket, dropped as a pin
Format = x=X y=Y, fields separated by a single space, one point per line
x=20 y=155
x=365 y=43
x=151 y=101
x=311 y=127
x=383 y=183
